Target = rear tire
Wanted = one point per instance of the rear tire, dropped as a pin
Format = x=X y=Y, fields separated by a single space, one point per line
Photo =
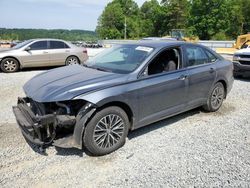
x=9 y=65
x=215 y=98
x=106 y=131
x=72 y=60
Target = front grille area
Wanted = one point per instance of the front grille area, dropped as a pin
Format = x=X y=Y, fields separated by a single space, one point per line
x=245 y=62
x=244 y=56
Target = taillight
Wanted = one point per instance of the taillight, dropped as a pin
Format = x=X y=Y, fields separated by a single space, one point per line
x=85 y=51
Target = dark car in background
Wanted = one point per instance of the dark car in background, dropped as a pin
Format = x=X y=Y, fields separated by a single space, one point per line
x=41 y=53
x=121 y=89
x=241 y=61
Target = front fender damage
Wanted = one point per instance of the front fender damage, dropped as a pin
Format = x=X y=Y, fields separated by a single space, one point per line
x=82 y=118
x=53 y=124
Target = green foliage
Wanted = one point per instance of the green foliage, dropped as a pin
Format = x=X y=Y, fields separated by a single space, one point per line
x=151 y=19
x=220 y=36
x=111 y=22
x=177 y=13
x=207 y=19
x=245 y=4
x=25 y=34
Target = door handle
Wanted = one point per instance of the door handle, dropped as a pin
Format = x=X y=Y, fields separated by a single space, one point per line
x=67 y=51
x=211 y=70
x=183 y=77
x=45 y=52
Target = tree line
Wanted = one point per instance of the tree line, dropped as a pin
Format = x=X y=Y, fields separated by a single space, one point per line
x=25 y=34
x=207 y=19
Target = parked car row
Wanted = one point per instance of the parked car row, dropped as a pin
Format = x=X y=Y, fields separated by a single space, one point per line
x=88 y=44
x=41 y=53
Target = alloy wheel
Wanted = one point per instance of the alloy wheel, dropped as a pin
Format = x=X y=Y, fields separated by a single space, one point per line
x=108 y=131
x=217 y=97
x=73 y=61
x=9 y=65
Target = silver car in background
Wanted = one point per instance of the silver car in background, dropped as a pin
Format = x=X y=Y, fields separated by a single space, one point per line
x=41 y=53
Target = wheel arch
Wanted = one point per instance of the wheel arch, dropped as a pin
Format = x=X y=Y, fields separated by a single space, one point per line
x=123 y=106
x=224 y=85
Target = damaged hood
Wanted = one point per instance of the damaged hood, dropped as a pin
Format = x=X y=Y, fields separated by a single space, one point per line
x=68 y=82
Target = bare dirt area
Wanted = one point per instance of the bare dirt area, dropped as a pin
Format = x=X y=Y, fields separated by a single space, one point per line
x=192 y=149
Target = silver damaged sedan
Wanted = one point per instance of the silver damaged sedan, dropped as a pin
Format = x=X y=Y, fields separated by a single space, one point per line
x=41 y=53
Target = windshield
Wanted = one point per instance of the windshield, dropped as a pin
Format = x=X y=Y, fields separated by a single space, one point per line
x=121 y=59
x=22 y=44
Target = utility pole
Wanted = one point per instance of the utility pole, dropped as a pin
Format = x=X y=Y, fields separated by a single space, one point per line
x=125 y=29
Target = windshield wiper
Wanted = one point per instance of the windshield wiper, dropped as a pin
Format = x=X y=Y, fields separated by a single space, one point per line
x=85 y=65
x=97 y=68
x=102 y=69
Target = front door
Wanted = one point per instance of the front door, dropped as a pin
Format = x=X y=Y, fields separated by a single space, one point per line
x=37 y=55
x=163 y=93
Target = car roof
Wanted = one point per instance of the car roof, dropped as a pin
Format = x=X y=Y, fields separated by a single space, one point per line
x=155 y=44
x=47 y=39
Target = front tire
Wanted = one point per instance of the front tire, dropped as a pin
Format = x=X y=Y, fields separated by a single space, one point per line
x=215 y=98
x=9 y=65
x=72 y=60
x=106 y=131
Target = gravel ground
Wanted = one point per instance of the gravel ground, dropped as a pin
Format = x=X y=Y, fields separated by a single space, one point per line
x=194 y=149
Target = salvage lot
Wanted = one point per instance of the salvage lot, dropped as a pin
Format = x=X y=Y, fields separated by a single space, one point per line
x=192 y=149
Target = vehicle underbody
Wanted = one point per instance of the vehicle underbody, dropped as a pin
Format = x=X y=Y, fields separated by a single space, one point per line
x=57 y=123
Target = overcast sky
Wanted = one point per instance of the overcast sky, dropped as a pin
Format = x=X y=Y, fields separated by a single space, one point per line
x=52 y=14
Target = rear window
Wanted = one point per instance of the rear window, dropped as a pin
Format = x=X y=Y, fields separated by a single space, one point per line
x=196 y=56
x=211 y=57
x=58 y=45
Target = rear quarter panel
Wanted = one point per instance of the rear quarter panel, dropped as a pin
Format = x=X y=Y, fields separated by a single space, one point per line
x=225 y=72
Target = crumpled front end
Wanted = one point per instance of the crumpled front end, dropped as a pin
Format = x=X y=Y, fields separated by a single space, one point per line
x=58 y=123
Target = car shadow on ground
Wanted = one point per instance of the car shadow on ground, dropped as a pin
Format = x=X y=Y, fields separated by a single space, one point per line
x=163 y=123
x=60 y=151
x=133 y=134
x=243 y=79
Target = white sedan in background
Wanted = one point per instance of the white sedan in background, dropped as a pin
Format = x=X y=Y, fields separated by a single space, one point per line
x=41 y=53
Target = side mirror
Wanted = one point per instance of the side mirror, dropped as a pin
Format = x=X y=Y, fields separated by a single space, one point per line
x=27 y=49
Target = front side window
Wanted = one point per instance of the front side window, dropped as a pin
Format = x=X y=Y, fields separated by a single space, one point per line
x=167 y=61
x=40 y=45
x=196 y=56
x=120 y=59
x=58 y=45
x=20 y=45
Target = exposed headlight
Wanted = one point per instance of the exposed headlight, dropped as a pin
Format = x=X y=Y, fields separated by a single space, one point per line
x=236 y=58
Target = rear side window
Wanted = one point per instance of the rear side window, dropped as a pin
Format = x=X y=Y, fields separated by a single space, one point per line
x=196 y=56
x=211 y=57
x=58 y=45
x=40 y=45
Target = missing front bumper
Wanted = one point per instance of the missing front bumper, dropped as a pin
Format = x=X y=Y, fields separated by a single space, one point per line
x=40 y=130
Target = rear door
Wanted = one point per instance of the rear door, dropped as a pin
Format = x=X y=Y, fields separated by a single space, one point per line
x=201 y=74
x=59 y=51
x=37 y=55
